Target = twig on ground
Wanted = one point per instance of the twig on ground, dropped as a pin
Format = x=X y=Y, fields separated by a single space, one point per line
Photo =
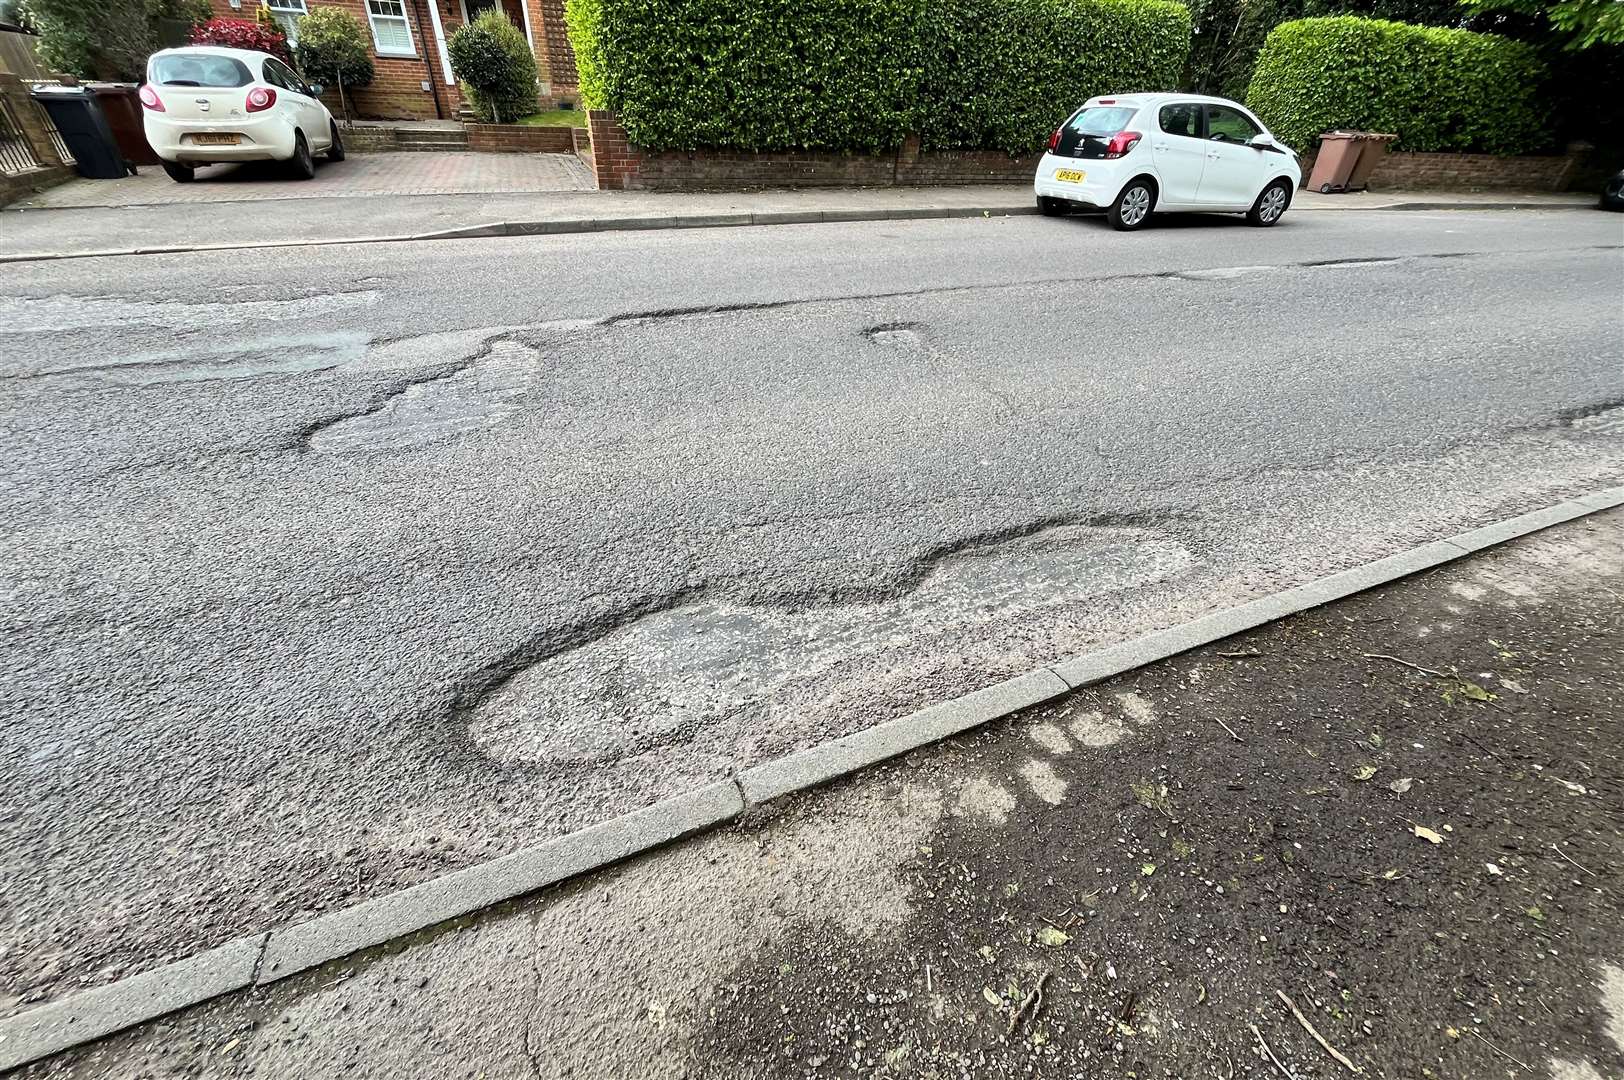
x=1229 y=729
x=1287 y=1073
x=1035 y=995
x=1303 y=1020
x=1037 y=1005
x=1564 y=854
x=1241 y=655
x=1544 y=1006
x=1497 y=1050
x=928 y=989
x=1406 y=663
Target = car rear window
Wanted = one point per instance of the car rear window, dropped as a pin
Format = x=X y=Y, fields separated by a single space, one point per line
x=1101 y=120
x=198 y=69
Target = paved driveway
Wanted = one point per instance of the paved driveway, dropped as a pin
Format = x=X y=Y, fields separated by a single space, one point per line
x=362 y=174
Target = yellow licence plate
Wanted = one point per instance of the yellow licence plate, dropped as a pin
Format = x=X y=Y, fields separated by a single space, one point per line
x=1070 y=176
x=210 y=139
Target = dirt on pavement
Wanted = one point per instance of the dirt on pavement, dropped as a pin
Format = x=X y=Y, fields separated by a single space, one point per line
x=1403 y=812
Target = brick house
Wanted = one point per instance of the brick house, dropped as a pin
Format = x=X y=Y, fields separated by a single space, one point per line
x=412 y=77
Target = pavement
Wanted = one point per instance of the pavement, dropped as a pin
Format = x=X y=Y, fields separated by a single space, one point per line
x=534 y=191
x=1378 y=836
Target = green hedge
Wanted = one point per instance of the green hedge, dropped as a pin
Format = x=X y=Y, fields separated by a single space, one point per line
x=495 y=67
x=860 y=75
x=1437 y=89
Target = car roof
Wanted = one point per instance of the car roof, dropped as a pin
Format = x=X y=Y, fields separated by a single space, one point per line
x=244 y=55
x=1162 y=99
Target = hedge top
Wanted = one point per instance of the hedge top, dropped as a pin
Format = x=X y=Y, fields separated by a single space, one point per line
x=1436 y=88
x=860 y=76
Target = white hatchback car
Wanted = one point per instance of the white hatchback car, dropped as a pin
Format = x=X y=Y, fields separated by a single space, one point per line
x=1132 y=154
x=205 y=105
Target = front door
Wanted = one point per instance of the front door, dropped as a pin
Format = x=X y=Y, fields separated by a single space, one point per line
x=1179 y=152
x=1235 y=171
x=472 y=9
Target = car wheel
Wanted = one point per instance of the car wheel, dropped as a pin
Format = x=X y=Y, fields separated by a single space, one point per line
x=335 y=152
x=1133 y=206
x=1051 y=207
x=1272 y=202
x=180 y=174
x=304 y=166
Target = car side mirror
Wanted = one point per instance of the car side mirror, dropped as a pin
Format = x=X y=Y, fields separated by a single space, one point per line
x=1263 y=141
x=315 y=89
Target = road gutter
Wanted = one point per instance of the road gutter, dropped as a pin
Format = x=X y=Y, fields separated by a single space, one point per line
x=266 y=957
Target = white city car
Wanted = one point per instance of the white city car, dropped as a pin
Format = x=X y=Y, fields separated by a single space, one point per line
x=1134 y=154
x=205 y=105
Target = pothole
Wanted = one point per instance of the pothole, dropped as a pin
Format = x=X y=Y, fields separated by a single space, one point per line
x=906 y=335
x=262 y=357
x=67 y=312
x=481 y=395
x=670 y=674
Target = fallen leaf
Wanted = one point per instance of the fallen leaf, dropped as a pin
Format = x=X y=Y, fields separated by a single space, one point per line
x=1536 y=914
x=1040 y=1038
x=1391 y=875
x=1401 y=785
x=1513 y=685
x=1493 y=869
x=1364 y=772
x=1052 y=938
x=1452 y=1033
x=1573 y=789
x=992 y=996
x=1473 y=692
x=1427 y=834
x=230 y=1046
x=1376 y=739
x=1148 y=869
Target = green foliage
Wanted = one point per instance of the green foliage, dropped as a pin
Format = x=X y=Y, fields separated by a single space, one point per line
x=332 y=48
x=1000 y=74
x=1437 y=89
x=104 y=39
x=1582 y=23
x=860 y=76
x=493 y=62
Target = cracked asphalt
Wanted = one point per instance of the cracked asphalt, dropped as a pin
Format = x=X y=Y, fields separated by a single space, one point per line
x=329 y=570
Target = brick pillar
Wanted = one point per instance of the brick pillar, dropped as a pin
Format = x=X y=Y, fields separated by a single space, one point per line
x=907 y=161
x=1578 y=153
x=29 y=119
x=614 y=159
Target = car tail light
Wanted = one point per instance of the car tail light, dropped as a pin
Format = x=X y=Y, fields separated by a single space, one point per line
x=1107 y=101
x=261 y=98
x=1121 y=143
x=150 y=98
x=1054 y=140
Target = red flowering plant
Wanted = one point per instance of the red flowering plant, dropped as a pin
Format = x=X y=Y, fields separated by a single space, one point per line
x=242 y=34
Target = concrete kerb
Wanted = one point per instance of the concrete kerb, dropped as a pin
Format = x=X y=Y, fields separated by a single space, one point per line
x=265 y=958
x=563 y=226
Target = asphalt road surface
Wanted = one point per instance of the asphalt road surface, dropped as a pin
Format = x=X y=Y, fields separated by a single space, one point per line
x=328 y=570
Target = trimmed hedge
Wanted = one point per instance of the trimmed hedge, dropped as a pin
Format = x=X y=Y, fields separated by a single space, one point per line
x=860 y=75
x=1435 y=88
x=495 y=67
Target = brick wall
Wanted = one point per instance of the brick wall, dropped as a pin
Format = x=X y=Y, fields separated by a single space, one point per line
x=553 y=51
x=620 y=165
x=518 y=139
x=1471 y=172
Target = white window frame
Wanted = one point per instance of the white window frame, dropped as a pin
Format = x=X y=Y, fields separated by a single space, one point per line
x=405 y=21
x=292 y=9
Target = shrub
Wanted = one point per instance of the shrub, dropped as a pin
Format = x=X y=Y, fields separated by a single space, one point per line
x=94 y=39
x=860 y=75
x=1003 y=73
x=242 y=34
x=493 y=62
x=332 y=48
x=1435 y=88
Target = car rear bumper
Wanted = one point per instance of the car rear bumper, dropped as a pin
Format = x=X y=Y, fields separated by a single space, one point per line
x=257 y=140
x=1101 y=181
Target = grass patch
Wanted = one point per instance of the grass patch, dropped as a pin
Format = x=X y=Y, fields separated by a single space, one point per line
x=556 y=117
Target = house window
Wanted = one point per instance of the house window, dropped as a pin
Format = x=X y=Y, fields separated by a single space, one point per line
x=286 y=13
x=390 y=33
